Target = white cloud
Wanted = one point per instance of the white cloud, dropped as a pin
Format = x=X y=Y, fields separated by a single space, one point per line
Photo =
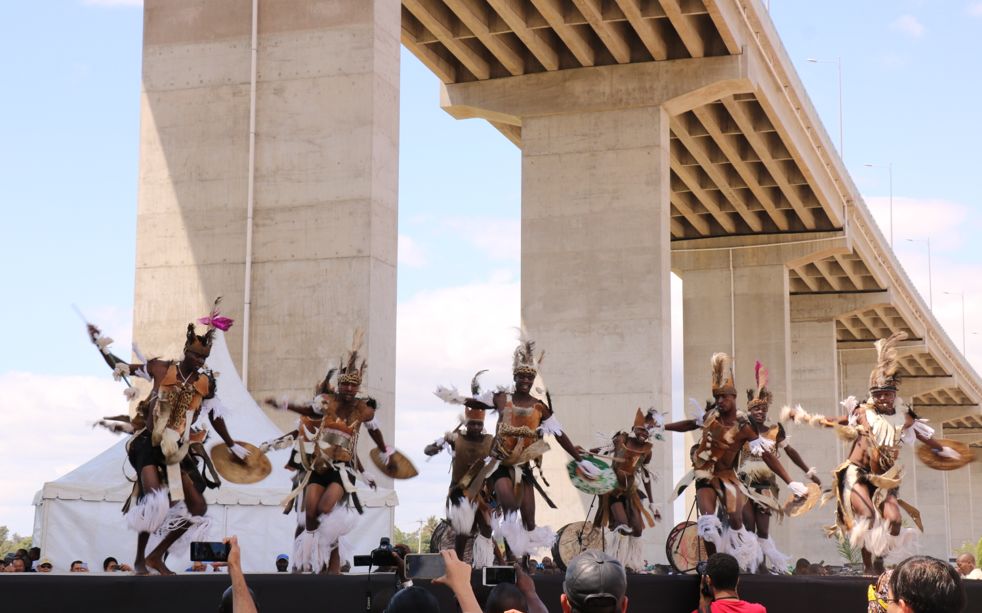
x=909 y=25
x=498 y=238
x=921 y=218
x=445 y=336
x=47 y=432
x=411 y=254
x=975 y=9
x=112 y=3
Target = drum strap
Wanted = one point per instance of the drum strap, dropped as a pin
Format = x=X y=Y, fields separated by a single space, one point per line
x=210 y=475
x=536 y=485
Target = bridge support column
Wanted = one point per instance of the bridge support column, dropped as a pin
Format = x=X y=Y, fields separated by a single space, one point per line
x=326 y=174
x=814 y=375
x=595 y=280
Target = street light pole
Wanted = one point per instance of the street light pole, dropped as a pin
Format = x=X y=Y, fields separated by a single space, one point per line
x=838 y=62
x=890 y=175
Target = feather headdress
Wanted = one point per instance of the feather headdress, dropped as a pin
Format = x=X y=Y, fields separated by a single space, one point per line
x=723 y=375
x=761 y=395
x=201 y=343
x=524 y=359
x=884 y=375
x=351 y=371
x=324 y=386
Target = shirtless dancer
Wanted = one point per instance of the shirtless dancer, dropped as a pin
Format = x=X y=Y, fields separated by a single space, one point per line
x=725 y=431
x=867 y=484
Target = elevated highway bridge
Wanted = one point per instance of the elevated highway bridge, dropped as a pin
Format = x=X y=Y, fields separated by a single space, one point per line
x=656 y=136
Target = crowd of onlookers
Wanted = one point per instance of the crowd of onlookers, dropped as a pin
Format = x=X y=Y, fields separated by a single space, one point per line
x=30 y=561
x=594 y=581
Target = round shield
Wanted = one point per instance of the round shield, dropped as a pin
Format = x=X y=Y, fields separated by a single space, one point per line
x=575 y=538
x=399 y=466
x=684 y=549
x=444 y=537
x=255 y=468
x=929 y=457
x=604 y=483
x=795 y=506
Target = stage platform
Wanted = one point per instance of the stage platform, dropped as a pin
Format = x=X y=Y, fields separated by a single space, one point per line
x=319 y=594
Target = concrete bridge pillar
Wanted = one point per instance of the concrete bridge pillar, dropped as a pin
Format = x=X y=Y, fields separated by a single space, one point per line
x=595 y=278
x=326 y=171
x=595 y=242
x=814 y=373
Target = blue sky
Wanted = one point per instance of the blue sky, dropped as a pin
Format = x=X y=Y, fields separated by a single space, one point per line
x=69 y=118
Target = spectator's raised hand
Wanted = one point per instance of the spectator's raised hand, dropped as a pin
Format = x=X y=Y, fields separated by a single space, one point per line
x=458 y=578
x=234 y=554
x=525 y=584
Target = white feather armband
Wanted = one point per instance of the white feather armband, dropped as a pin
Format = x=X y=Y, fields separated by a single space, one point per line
x=215 y=407
x=486 y=397
x=372 y=424
x=759 y=446
x=551 y=426
x=449 y=395
x=122 y=369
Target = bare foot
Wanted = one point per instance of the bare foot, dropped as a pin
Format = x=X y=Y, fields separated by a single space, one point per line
x=140 y=568
x=157 y=564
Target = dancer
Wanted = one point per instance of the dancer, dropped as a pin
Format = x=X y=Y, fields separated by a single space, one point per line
x=465 y=514
x=758 y=476
x=525 y=415
x=867 y=484
x=625 y=509
x=330 y=498
x=725 y=431
x=167 y=499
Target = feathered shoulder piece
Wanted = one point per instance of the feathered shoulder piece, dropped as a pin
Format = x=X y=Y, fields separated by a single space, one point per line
x=761 y=395
x=884 y=375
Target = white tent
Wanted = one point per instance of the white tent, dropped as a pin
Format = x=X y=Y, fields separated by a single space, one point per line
x=78 y=515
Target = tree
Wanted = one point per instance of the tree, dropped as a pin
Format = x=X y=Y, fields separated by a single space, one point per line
x=414 y=539
x=973 y=548
x=9 y=543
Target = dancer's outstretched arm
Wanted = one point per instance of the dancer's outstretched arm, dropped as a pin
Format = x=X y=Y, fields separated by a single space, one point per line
x=800 y=463
x=685 y=425
x=283 y=405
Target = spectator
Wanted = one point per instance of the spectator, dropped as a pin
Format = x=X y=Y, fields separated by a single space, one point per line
x=414 y=600
x=45 y=566
x=802 y=567
x=595 y=583
x=25 y=555
x=78 y=566
x=548 y=565
x=922 y=584
x=238 y=598
x=458 y=578
x=17 y=566
x=506 y=597
x=111 y=565
x=877 y=594
x=966 y=567
x=34 y=553
x=718 y=588
x=282 y=563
